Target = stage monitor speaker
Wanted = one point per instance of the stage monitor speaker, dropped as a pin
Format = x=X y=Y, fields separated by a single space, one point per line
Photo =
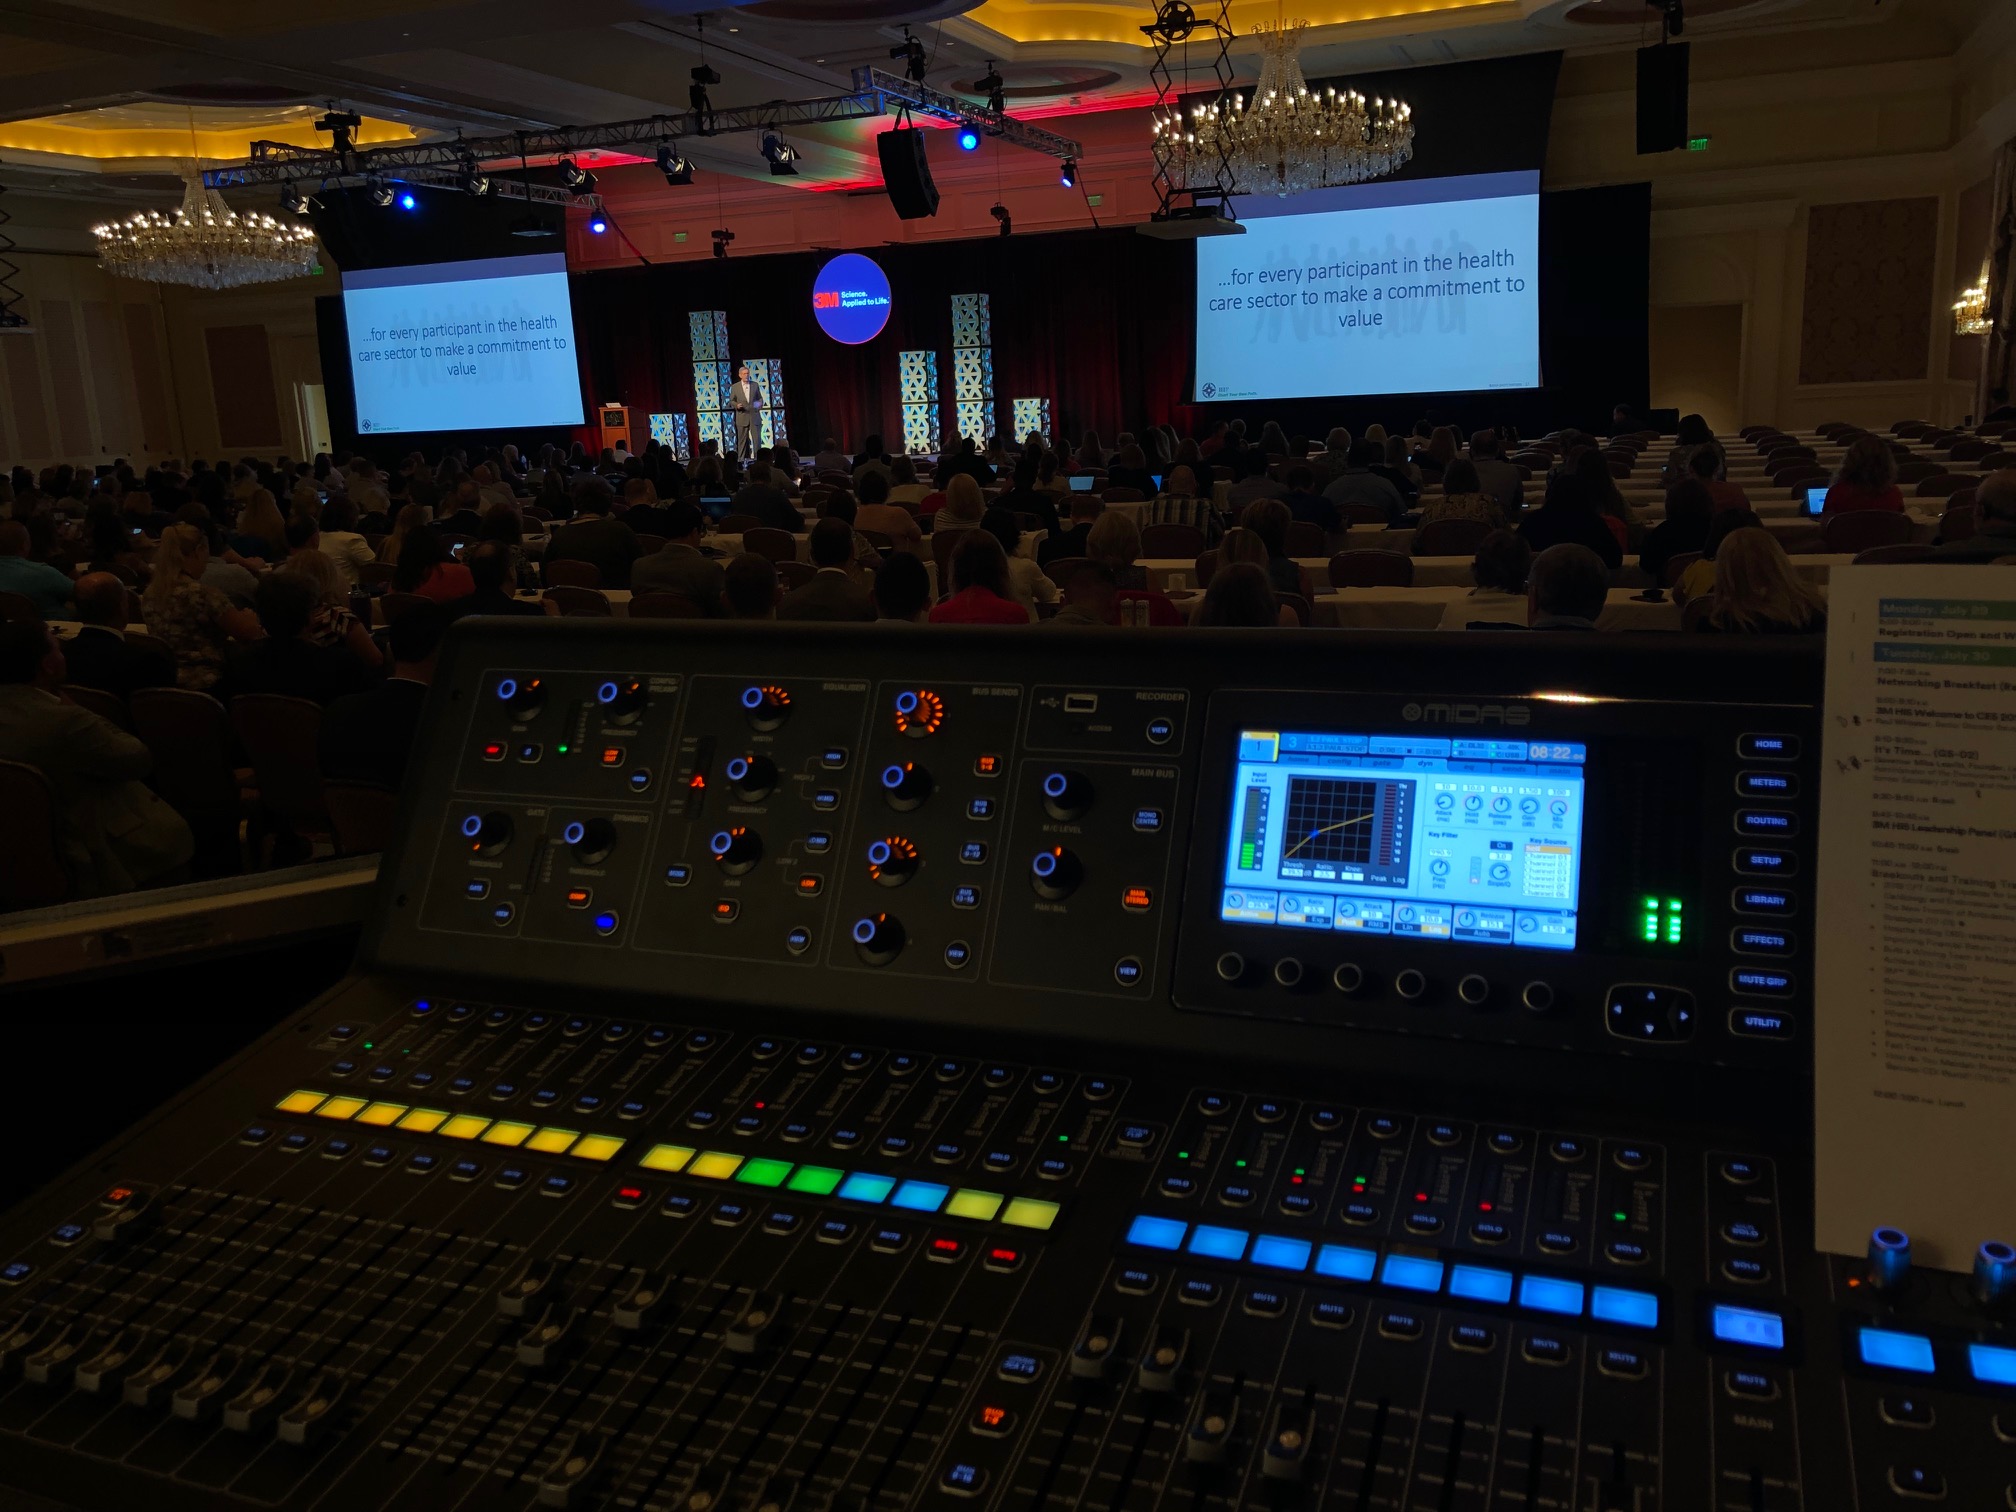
x=1662 y=97
x=907 y=173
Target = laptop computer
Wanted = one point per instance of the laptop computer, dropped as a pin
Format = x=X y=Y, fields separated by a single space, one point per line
x=1080 y=482
x=1816 y=500
x=715 y=508
x=1156 y=479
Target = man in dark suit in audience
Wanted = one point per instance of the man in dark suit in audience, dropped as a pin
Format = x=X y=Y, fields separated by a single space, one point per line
x=100 y=656
x=761 y=497
x=834 y=593
x=643 y=512
x=489 y=567
x=594 y=537
x=683 y=566
x=368 y=736
x=1074 y=542
x=1304 y=503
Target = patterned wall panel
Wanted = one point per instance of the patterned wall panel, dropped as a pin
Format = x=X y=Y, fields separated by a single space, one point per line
x=1867 y=316
x=711 y=375
x=973 y=365
x=769 y=375
x=672 y=431
x=917 y=373
x=1032 y=415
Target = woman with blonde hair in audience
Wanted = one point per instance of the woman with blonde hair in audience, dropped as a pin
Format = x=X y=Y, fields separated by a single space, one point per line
x=1180 y=482
x=1757 y=592
x=1698 y=581
x=413 y=517
x=331 y=623
x=194 y=620
x=1114 y=541
x=964 y=505
x=261 y=532
x=1462 y=498
x=1188 y=454
x=304 y=500
x=1440 y=451
x=1375 y=432
x=1867 y=479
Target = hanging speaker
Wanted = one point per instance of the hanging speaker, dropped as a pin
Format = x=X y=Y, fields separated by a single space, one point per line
x=1662 y=97
x=907 y=173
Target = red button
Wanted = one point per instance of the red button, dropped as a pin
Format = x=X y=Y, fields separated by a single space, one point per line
x=1136 y=899
x=947 y=1249
x=493 y=751
x=612 y=755
x=1003 y=1258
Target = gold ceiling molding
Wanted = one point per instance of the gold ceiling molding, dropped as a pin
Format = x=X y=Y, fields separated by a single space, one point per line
x=1120 y=21
x=75 y=136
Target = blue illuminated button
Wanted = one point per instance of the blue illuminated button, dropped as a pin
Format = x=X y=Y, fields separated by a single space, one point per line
x=1157 y=1233
x=1346 y=1262
x=1760 y=981
x=476 y=890
x=973 y=852
x=1630 y=1309
x=1762 y=1023
x=1767 y=784
x=503 y=914
x=980 y=808
x=919 y=1196
x=966 y=897
x=861 y=1187
x=1161 y=730
x=67 y=1234
x=1127 y=972
x=1748 y=1326
x=798 y=940
x=606 y=921
x=1761 y=941
x=1328 y=1314
x=1890 y=1350
x=1412 y=1273
x=1020 y=1368
x=1764 y=900
x=1148 y=821
x=678 y=874
x=1992 y=1363
x=1218 y=1243
x=1277 y=1253
x=818 y=842
x=1766 y=822
x=14 y=1272
x=1480 y=1283
x=825 y=800
x=1767 y=863
x=1551 y=1294
x=957 y=954
x=1768 y=747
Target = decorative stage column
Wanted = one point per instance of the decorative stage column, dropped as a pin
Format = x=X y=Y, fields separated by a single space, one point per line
x=1031 y=415
x=671 y=430
x=712 y=376
x=768 y=373
x=973 y=365
x=918 y=375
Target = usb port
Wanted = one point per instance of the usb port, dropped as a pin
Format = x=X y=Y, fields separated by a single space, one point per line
x=1081 y=703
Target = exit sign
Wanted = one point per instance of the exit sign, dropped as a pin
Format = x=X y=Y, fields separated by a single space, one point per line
x=1697 y=144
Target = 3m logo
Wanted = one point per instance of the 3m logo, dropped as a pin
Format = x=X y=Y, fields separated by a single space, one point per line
x=1467 y=714
x=825 y=300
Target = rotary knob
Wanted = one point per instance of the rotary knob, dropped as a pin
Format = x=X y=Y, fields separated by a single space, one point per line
x=767 y=707
x=591 y=840
x=487 y=834
x=892 y=861
x=906 y=785
x=753 y=777
x=1995 y=1273
x=878 y=939
x=622 y=699
x=523 y=696
x=736 y=850
x=1055 y=873
x=1066 y=795
x=919 y=712
x=1889 y=1259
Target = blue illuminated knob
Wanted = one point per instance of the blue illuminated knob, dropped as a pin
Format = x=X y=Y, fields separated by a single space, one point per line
x=1995 y=1273
x=487 y=834
x=1066 y=795
x=906 y=785
x=591 y=840
x=736 y=850
x=622 y=699
x=1889 y=1259
x=892 y=861
x=767 y=707
x=1055 y=873
x=878 y=939
x=522 y=696
x=753 y=777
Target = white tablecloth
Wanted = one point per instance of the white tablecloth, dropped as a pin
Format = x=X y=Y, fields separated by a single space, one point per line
x=1423 y=608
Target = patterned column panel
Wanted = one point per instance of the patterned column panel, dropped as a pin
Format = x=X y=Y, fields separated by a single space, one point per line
x=672 y=431
x=769 y=375
x=973 y=365
x=1031 y=415
x=712 y=375
x=918 y=375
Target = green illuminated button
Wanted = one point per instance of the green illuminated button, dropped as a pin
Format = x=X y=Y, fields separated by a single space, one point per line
x=764 y=1173
x=1030 y=1213
x=817 y=1181
x=979 y=1206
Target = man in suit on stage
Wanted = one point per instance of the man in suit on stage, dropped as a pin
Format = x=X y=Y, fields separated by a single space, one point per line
x=746 y=400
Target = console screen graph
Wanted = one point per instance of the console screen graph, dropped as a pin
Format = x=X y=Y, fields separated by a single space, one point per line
x=1330 y=820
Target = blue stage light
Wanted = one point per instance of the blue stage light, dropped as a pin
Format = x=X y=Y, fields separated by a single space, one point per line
x=598 y=225
x=408 y=202
x=969 y=140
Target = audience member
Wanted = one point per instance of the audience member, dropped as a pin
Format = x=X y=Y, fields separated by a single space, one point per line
x=1027 y=584
x=1401 y=468
x=1129 y=470
x=261 y=532
x=331 y=623
x=963 y=507
x=1570 y=517
x=342 y=542
x=644 y=512
x=1304 y=503
x=1357 y=484
x=595 y=537
x=1495 y=475
x=1689 y=506
x=427 y=567
x=99 y=655
x=413 y=517
x=981 y=595
x=112 y=832
x=1866 y=479
x=1115 y=543
x=875 y=510
x=1090 y=597
x=1074 y=541
x=749 y=589
x=288 y=661
x=840 y=505
x=902 y=590
x=685 y=565
x=493 y=588
x=834 y=591
x=186 y=614
x=1706 y=463
x=1757 y=592
x=1692 y=437
x=1498 y=602
x=1268 y=520
x=902 y=485
x=1251 y=481
x=1566 y=589
x=368 y=736
x=1240 y=597
x=1024 y=497
x=1699 y=578
x=1994 y=525
x=48 y=588
x=762 y=498
x=1462 y=498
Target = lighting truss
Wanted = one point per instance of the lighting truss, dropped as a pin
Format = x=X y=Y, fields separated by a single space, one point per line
x=1183 y=196
x=922 y=99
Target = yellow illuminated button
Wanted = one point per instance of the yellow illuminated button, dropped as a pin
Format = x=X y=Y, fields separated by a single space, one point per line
x=552 y=1141
x=979 y=1206
x=301 y=1102
x=667 y=1158
x=1030 y=1213
x=597 y=1147
x=503 y=1133
x=341 y=1107
x=464 y=1126
x=381 y=1113
x=423 y=1120
x=712 y=1165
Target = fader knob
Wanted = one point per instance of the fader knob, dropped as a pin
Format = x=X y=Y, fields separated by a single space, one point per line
x=767 y=707
x=1055 y=873
x=622 y=699
x=487 y=834
x=906 y=785
x=1995 y=1274
x=1889 y=1259
x=591 y=840
x=1066 y=795
x=878 y=938
x=753 y=777
x=736 y=850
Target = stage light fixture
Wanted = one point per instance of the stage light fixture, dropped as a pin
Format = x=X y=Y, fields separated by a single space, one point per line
x=598 y=224
x=577 y=179
x=696 y=94
x=1675 y=17
x=782 y=155
x=969 y=139
x=294 y=202
x=471 y=178
x=407 y=201
x=342 y=126
x=673 y=165
x=381 y=192
x=532 y=227
x=1000 y=213
x=721 y=240
x=1068 y=175
x=914 y=60
x=995 y=88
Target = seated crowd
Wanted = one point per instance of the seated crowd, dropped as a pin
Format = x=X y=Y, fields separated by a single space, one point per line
x=331 y=582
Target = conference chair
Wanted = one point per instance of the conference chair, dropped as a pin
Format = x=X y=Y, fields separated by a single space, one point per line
x=1944 y=486
x=1995 y=461
x=1695 y=611
x=664 y=606
x=943 y=544
x=880 y=540
x=1796 y=480
x=140 y=640
x=1307 y=539
x=580 y=603
x=282 y=738
x=1448 y=538
x=1959 y=521
x=18 y=609
x=195 y=768
x=1676 y=567
x=376 y=575
x=566 y=574
x=1305 y=615
x=1367 y=514
x=1123 y=496
x=1371 y=569
x=107 y=706
x=1205 y=567
x=392 y=605
x=1859 y=530
x=1917 y=470
x=1795 y=452
x=738 y=524
x=1171 y=541
x=650 y=545
x=1969 y=449
x=1907 y=551
x=834 y=478
x=1910 y=429
x=779 y=546
x=34 y=876
x=360 y=816
x=795 y=574
x=1059 y=569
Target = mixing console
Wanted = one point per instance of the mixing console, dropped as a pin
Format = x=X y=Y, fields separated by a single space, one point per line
x=854 y=1071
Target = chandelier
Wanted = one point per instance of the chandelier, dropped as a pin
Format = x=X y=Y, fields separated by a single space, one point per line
x=1289 y=138
x=205 y=244
x=1970 y=312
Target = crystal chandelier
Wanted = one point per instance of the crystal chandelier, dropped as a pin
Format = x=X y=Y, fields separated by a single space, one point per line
x=205 y=244
x=1970 y=312
x=1289 y=139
